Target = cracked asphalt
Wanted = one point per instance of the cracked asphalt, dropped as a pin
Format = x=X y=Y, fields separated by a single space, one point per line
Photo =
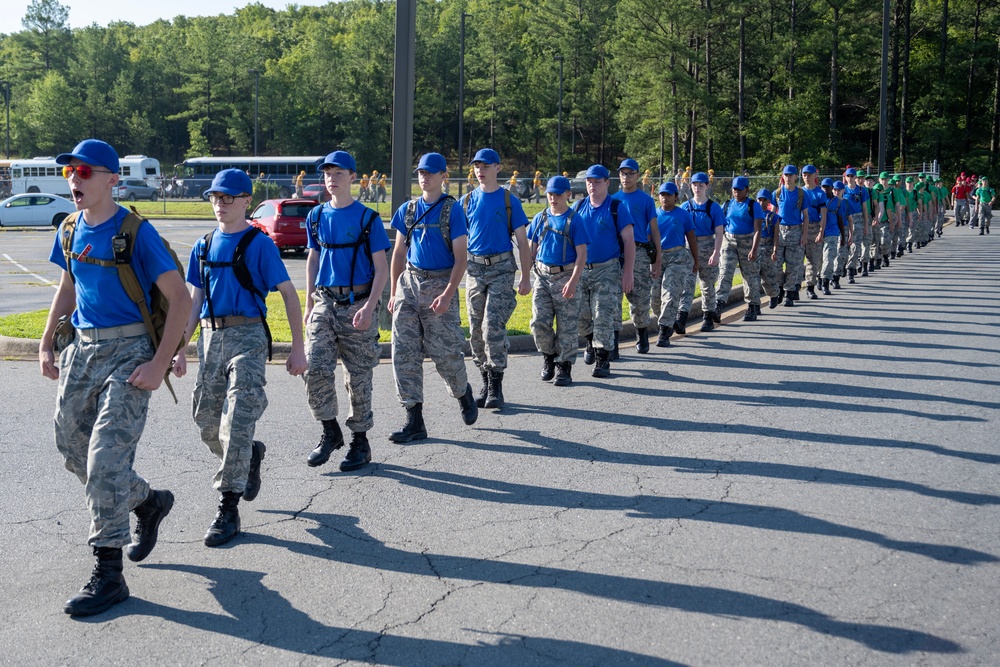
x=818 y=487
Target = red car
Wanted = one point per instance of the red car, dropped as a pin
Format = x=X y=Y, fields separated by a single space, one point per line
x=316 y=191
x=284 y=220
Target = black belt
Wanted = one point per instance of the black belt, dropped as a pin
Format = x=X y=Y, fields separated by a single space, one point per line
x=228 y=321
x=423 y=273
x=554 y=268
x=346 y=295
x=489 y=260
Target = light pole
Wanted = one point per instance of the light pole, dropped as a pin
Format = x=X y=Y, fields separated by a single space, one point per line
x=6 y=99
x=559 y=122
x=256 y=105
x=461 y=96
x=883 y=96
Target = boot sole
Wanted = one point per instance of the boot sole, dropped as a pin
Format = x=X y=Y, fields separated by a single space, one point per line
x=219 y=541
x=354 y=466
x=121 y=597
x=249 y=494
x=130 y=551
x=404 y=439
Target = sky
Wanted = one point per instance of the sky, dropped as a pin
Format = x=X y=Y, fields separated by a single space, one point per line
x=102 y=12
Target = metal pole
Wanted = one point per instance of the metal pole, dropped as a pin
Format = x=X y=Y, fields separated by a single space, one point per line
x=256 y=100
x=402 y=101
x=883 y=95
x=461 y=99
x=6 y=98
x=559 y=122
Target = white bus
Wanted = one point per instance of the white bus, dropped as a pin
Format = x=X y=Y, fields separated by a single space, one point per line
x=42 y=174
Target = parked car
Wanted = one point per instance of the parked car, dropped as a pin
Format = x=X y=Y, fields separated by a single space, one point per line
x=316 y=191
x=284 y=220
x=34 y=209
x=578 y=184
x=134 y=188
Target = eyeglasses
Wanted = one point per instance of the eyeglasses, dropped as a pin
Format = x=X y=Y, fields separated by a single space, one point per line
x=223 y=199
x=84 y=171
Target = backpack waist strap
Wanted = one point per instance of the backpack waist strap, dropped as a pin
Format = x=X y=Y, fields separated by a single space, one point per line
x=215 y=323
x=109 y=333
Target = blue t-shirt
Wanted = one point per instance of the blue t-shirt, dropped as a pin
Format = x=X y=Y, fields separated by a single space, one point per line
x=815 y=199
x=740 y=216
x=344 y=225
x=856 y=198
x=427 y=249
x=554 y=248
x=833 y=205
x=643 y=209
x=487 y=221
x=770 y=220
x=788 y=205
x=674 y=226
x=706 y=216
x=229 y=298
x=101 y=300
x=601 y=228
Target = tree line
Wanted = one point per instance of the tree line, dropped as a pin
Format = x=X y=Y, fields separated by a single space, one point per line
x=722 y=84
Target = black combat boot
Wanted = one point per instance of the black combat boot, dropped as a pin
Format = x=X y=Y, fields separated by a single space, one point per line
x=864 y=269
x=789 y=300
x=642 y=340
x=105 y=588
x=484 y=392
x=602 y=367
x=680 y=324
x=826 y=287
x=706 y=322
x=360 y=452
x=773 y=301
x=332 y=439
x=253 y=479
x=981 y=231
x=588 y=352
x=663 y=340
x=470 y=411
x=614 y=349
x=909 y=246
x=885 y=260
x=414 y=428
x=494 y=400
x=836 y=281
x=850 y=275
x=795 y=292
x=751 y=314
x=148 y=516
x=720 y=305
x=548 y=367
x=811 y=291
x=564 y=375
x=226 y=524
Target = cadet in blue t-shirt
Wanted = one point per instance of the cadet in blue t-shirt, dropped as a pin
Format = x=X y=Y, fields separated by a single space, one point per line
x=233 y=348
x=559 y=248
x=708 y=229
x=770 y=275
x=834 y=235
x=856 y=196
x=107 y=372
x=493 y=216
x=428 y=262
x=345 y=272
x=676 y=226
x=646 y=272
x=816 y=200
x=609 y=226
x=741 y=245
x=791 y=202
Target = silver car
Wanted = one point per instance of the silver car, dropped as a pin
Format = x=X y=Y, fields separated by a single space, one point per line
x=36 y=208
x=134 y=188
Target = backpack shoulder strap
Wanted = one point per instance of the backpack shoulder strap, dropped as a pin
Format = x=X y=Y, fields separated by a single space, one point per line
x=68 y=233
x=444 y=221
x=130 y=282
x=240 y=267
x=506 y=202
x=802 y=196
x=725 y=208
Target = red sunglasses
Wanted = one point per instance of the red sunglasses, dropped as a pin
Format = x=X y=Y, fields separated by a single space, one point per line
x=84 y=171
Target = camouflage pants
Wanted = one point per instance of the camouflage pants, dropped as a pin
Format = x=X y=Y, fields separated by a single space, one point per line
x=814 y=256
x=985 y=215
x=638 y=298
x=490 y=301
x=840 y=267
x=867 y=238
x=961 y=210
x=98 y=422
x=770 y=277
x=229 y=398
x=913 y=228
x=548 y=305
x=707 y=277
x=790 y=253
x=736 y=250
x=883 y=239
x=598 y=307
x=831 y=248
x=655 y=304
x=417 y=329
x=854 y=254
x=330 y=334
x=974 y=214
x=677 y=267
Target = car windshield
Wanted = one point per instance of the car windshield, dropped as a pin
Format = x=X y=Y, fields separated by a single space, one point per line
x=296 y=210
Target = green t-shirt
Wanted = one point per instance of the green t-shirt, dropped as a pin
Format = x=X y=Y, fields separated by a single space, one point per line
x=985 y=195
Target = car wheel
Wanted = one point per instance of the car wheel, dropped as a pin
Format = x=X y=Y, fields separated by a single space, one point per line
x=284 y=192
x=131 y=197
x=58 y=218
x=204 y=194
x=152 y=197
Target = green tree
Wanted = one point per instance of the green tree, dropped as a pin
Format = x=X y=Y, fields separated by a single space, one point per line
x=46 y=22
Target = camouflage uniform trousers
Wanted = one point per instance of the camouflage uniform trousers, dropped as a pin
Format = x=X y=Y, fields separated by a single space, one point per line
x=736 y=250
x=655 y=303
x=98 y=422
x=813 y=255
x=599 y=287
x=790 y=253
x=490 y=300
x=417 y=329
x=330 y=334
x=883 y=239
x=707 y=277
x=961 y=209
x=840 y=267
x=913 y=228
x=770 y=276
x=985 y=215
x=974 y=209
x=854 y=254
x=229 y=398
x=548 y=305
x=867 y=240
x=831 y=248
x=642 y=280
x=677 y=265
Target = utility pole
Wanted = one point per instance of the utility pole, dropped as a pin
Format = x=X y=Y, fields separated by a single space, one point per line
x=559 y=122
x=461 y=98
x=6 y=99
x=403 y=83
x=256 y=104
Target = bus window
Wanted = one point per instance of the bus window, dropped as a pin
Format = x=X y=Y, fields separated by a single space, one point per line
x=126 y=171
x=151 y=171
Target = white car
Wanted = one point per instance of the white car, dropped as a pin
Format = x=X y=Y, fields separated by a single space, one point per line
x=36 y=208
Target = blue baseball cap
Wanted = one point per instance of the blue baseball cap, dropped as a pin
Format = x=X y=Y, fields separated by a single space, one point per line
x=741 y=183
x=93 y=152
x=233 y=182
x=827 y=181
x=790 y=170
x=668 y=188
x=598 y=171
x=839 y=185
x=557 y=185
x=700 y=177
x=851 y=171
x=486 y=156
x=341 y=159
x=764 y=193
x=809 y=169
x=433 y=163
x=629 y=163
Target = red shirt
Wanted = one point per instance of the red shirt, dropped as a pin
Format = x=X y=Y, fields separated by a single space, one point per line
x=960 y=191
